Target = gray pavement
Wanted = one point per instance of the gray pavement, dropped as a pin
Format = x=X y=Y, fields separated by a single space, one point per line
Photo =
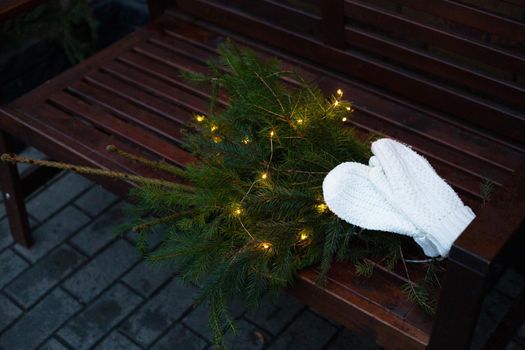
x=82 y=287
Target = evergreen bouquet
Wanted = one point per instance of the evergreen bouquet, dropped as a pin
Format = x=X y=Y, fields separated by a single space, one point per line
x=249 y=215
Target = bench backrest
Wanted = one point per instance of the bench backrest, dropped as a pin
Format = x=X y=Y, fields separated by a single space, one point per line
x=465 y=63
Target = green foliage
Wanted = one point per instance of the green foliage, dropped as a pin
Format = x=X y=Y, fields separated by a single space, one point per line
x=364 y=268
x=254 y=215
x=486 y=189
x=419 y=295
x=71 y=26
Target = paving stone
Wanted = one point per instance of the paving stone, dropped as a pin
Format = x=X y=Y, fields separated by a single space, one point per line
x=5 y=233
x=37 y=280
x=511 y=283
x=94 y=322
x=53 y=232
x=102 y=270
x=155 y=237
x=275 y=316
x=96 y=200
x=248 y=336
x=155 y=316
x=57 y=195
x=198 y=318
x=521 y=331
x=350 y=340
x=8 y=312
x=514 y=345
x=53 y=344
x=29 y=152
x=11 y=265
x=116 y=341
x=493 y=309
x=147 y=277
x=40 y=322
x=180 y=337
x=308 y=331
x=99 y=232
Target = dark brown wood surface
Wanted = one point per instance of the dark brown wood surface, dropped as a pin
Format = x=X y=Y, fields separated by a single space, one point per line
x=132 y=95
x=12 y=8
x=12 y=192
x=462 y=104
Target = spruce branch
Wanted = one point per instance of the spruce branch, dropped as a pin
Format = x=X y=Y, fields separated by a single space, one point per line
x=165 y=219
x=149 y=163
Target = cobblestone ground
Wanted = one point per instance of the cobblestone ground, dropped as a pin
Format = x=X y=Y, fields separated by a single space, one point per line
x=82 y=287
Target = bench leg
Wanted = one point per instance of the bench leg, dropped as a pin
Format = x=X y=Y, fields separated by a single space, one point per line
x=13 y=197
x=459 y=308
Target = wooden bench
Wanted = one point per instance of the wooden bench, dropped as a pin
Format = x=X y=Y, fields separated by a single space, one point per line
x=442 y=76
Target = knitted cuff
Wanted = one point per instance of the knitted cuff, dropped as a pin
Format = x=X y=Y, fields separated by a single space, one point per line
x=447 y=230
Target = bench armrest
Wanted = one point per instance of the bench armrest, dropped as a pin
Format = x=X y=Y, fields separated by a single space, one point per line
x=12 y=8
x=497 y=222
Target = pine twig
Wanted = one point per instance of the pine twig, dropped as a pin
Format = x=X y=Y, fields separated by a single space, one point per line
x=162 y=220
x=149 y=163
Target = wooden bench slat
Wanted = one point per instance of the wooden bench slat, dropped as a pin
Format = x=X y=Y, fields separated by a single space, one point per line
x=12 y=8
x=470 y=16
x=139 y=79
x=439 y=68
x=119 y=106
x=360 y=11
x=125 y=131
x=283 y=14
x=143 y=99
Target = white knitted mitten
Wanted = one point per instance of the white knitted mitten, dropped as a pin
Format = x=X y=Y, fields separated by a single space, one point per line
x=413 y=188
x=349 y=193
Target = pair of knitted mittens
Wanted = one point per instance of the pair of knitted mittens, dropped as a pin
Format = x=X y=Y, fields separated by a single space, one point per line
x=398 y=192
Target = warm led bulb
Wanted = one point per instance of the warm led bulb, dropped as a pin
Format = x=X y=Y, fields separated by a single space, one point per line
x=200 y=118
x=304 y=235
x=339 y=92
x=237 y=211
x=246 y=140
x=272 y=133
x=336 y=103
x=300 y=121
x=264 y=176
x=214 y=128
x=216 y=139
x=348 y=109
x=344 y=119
x=265 y=245
x=321 y=208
